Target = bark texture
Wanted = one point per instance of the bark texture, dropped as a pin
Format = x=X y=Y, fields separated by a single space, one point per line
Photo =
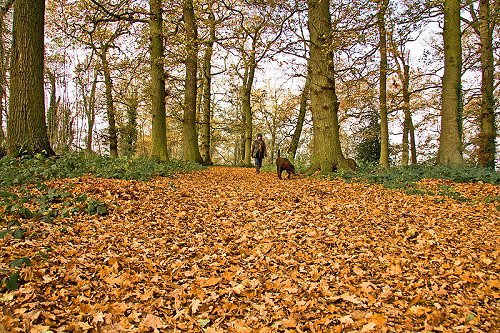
x=324 y=103
x=384 y=126
x=26 y=128
x=246 y=108
x=302 y=114
x=488 y=131
x=110 y=106
x=159 y=120
x=450 y=141
x=190 y=151
x=206 y=114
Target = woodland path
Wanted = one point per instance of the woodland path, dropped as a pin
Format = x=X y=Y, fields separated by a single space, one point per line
x=226 y=250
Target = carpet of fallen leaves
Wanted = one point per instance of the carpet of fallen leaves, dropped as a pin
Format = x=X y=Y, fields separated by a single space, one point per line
x=225 y=250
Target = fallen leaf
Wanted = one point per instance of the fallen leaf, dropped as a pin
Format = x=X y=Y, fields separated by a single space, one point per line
x=195 y=304
x=368 y=327
x=153 y=321
x=210 y=282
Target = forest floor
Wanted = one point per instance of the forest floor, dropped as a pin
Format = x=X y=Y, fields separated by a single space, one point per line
x=226 y=250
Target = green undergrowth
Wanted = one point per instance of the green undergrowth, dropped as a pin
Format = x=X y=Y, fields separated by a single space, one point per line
x=24 y=212
x=401 y=177
x=407 y=178
x=27 y=204
x=17 y=171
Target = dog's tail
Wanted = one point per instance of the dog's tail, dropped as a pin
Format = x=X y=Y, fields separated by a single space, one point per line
x=279 y=152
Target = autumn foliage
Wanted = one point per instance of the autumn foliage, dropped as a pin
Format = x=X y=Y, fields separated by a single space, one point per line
x=225 y=250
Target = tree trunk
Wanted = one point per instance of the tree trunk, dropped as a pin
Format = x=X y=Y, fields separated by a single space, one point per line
x=413 y=145
x=304 y=97
x=26 y=128
x=159 y=119
x=324 y=103
x=3 y=84
x=89 y=106
x=3 y=75
x=52 y=114
x=273 y=127
x=130 y=132
x=487 y=135
x=384 y=126
x=407 y=113
x=207 y=94
x=246 y=107
x=450 y=150
x=110 y=107
x=242 y=140
x=191 y=151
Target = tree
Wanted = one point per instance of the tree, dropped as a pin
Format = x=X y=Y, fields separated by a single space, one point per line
x=250 y=64
x=384 y=126
x=408 y=128
x=52 y=112
x=206 y=115
x=99 y=27
x=368 y=149
x=450 y=140
x=129 y=136
x=110 y=106
x=190 y=149
x=89 y=100
x=483 y=24
x=327 y=152
x=405 y=29
x=159 y=125
x=304 y=97
x=4 y=8
x=260 y=26
x=26 y=128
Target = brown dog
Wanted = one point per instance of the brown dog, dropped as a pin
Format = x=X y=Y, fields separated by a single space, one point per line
x=283 y=164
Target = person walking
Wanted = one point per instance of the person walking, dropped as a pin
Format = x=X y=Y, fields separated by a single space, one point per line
x=259 y=152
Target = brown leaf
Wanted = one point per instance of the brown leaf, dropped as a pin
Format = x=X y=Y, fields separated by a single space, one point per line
x=210 y=282
x=153 y=321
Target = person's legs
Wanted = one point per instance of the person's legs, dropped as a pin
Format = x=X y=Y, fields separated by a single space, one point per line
x=258 y=164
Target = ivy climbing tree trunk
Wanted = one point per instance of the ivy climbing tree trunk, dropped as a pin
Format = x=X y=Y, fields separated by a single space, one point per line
x=129 y=137
x=110 y=107
x=408 y=130
x=26 y=127
x=190 y=151
x=159 y=119
x=450 y=140
x=324 y=104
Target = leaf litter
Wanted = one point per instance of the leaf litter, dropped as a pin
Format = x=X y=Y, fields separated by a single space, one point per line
x=225 y=250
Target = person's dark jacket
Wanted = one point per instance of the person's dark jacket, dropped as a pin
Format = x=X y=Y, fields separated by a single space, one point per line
x=259 y=149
